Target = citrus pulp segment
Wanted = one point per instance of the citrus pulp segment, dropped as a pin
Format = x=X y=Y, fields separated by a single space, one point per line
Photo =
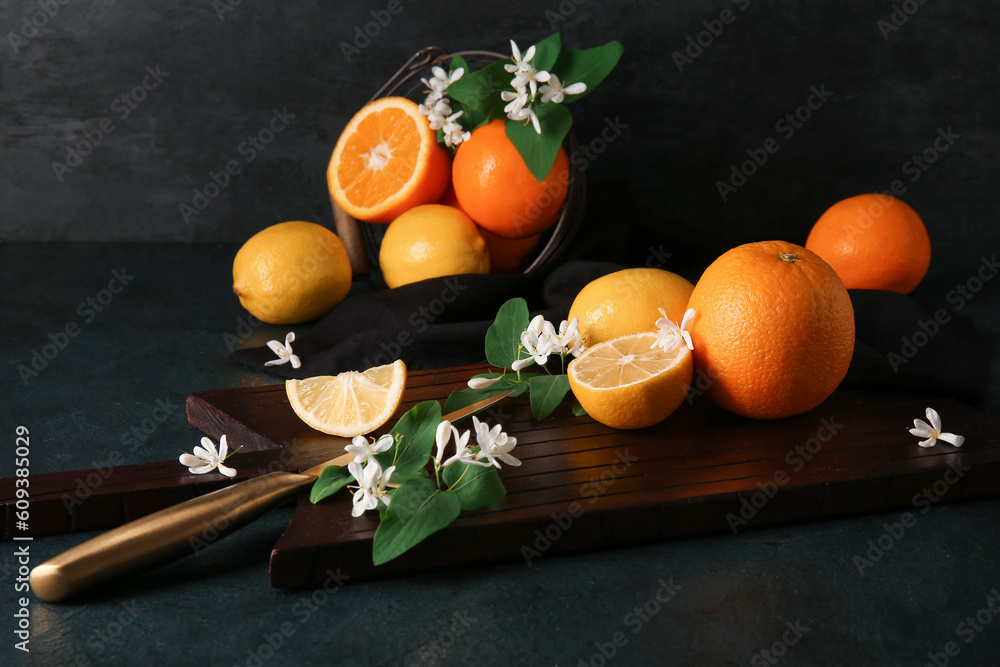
x=387 y=160
x=351 y=403
x=629 y=382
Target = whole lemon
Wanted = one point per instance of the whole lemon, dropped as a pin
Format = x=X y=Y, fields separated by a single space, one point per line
x=291 y=272
x=431 y=241
x=627 y=302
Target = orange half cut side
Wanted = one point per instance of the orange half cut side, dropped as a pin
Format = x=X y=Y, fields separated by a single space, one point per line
x=387 y=160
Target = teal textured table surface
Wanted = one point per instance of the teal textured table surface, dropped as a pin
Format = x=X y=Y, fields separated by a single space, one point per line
x=103 y=342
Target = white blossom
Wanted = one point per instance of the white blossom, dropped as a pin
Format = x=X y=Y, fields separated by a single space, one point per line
x=538 y=341
x=525 y=84
x=494 y=444
x=438 y=84
x=525 y=75
x=569 y=337
x=670 y=336
x=541 y=340
x=483 y=383
x=437 y=115
x=463 y=453
x=454 y=133
x=516 y=102
x=553 y=91
x=206 y=458
x=364 y=449
x=521 y=63
x=529 y=78
x=371 y=486
x=441 y=437
x=284 y=352
x=437 y=106
x=932 y=432
x=533 y=117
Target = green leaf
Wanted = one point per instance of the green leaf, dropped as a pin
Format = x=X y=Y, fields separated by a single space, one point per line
x=480 y=90
x=538 y=150
x=547 y=391
x=547 y=52
x=417 y=509
x=414 y=435
x=589 y=66
x=578 y=409
x=475 y=486
x=504 y=335
x=471 y=118
x=331 y=480
x=456 y=62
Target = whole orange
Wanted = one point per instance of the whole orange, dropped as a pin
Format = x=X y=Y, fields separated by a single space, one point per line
x=496 y=189
x=509 y=255
x=873 y=241
x=773 y=330
x=506 y=255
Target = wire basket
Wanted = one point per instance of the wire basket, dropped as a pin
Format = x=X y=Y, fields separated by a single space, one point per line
x=363 y=240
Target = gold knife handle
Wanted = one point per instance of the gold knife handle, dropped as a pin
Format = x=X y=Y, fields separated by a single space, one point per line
x=163 y=536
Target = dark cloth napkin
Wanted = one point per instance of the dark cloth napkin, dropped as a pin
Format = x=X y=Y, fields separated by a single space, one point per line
x=901 y=344
x=431 y=324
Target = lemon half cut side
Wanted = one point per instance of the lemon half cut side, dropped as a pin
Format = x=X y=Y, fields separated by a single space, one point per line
x=625 y=383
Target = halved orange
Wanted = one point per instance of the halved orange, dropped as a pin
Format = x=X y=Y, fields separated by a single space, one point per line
x=387 y=160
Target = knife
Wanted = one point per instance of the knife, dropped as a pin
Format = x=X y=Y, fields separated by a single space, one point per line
x=173 y=532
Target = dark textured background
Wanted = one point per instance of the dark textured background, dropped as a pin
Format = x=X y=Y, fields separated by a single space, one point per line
x=169 y=335
x=685 y=129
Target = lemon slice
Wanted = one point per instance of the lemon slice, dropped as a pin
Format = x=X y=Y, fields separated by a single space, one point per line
x=351 y=403
x=625 y=383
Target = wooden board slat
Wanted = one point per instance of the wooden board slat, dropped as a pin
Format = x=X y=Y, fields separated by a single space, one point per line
x=102 y=498
x=584 y=486
x=692 y=474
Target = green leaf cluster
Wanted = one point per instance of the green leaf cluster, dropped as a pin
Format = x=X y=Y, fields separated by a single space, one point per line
x=503 y=347
x=419 y=506
x=479 y=93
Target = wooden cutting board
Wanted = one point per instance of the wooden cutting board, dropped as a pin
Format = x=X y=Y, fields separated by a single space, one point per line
x=584 y=486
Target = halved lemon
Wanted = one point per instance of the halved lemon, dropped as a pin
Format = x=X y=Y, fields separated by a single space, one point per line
x=625 y=383
x=351 y=403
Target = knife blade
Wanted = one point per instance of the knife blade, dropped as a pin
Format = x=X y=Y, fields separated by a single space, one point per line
x=176 y=531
